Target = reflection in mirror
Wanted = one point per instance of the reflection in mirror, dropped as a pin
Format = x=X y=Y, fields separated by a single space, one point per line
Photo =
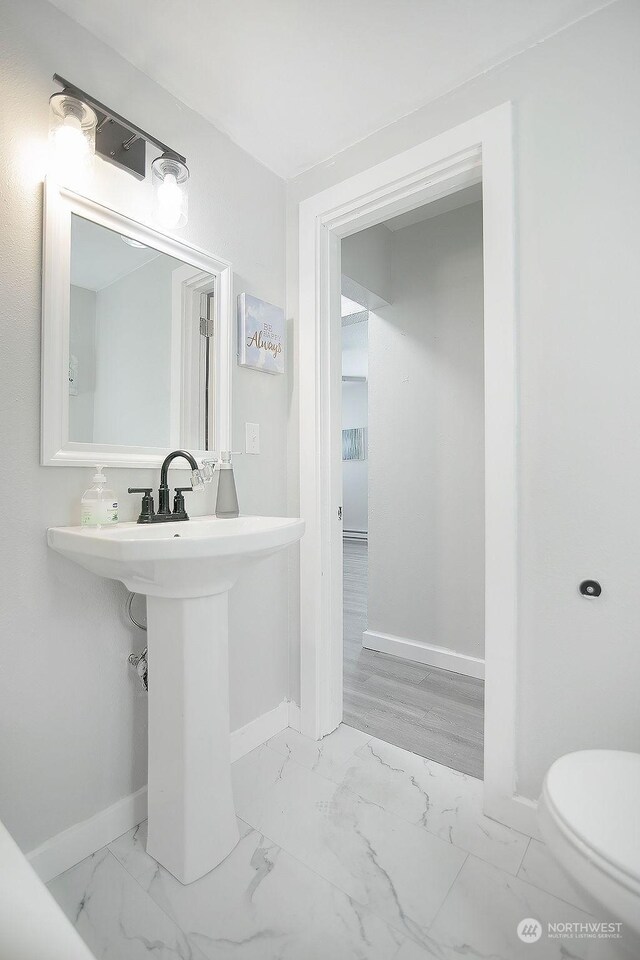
x=140 y=368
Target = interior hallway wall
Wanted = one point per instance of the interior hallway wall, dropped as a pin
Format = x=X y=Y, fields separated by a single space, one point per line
x=426 y=440
x=73 y=720
x=355 y=487
x=575 y=101
x=82 y=346
x=134 y=316
x=355 y=490
x=365 y=258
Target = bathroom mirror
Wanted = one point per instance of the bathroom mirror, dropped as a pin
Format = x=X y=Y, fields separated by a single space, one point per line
x=136 y=357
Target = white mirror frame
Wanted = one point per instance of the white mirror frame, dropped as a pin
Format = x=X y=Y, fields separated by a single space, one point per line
x=56 y=449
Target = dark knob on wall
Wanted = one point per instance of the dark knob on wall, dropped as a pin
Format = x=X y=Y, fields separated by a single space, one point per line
x=590 y=588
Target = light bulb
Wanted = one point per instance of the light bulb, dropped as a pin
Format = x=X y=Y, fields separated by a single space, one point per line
x=72 y=137
x=70 y=146
x=169 y=201
x=170 y=178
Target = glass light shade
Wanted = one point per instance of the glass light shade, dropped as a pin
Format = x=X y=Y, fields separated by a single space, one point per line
x=72 y=136
x=170 y=178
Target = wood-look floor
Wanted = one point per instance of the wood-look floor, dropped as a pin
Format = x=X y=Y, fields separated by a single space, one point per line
x=432 y=712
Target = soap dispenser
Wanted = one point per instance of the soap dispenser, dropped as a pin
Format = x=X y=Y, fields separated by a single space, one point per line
x=99 y=505
x=227 y=499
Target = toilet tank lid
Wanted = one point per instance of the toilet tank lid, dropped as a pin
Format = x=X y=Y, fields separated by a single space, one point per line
x=596 y=794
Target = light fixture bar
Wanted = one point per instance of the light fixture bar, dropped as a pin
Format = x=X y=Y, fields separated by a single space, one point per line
x=118 y=119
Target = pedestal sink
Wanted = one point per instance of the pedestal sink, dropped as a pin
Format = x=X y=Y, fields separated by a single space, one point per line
x=186 y=570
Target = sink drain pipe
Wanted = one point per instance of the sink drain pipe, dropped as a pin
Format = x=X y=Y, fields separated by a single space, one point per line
x=138 y=661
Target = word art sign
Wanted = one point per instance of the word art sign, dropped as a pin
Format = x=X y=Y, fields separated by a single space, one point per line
x=261 y=335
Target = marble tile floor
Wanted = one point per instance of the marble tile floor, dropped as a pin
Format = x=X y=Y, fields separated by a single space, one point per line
x=350 y=849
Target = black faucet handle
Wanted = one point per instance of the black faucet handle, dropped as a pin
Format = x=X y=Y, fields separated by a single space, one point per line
x=147 y=511
x=179 y=508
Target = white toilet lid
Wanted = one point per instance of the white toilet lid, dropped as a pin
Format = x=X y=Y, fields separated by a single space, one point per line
x=596 y=794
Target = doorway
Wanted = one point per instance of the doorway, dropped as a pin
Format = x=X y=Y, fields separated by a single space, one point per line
x=478 y=150
x=413 y=481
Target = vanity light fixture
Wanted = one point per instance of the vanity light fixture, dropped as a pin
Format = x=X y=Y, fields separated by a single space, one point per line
x=80 y=126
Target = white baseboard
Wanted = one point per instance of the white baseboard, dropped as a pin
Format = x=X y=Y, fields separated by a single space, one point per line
x=517 y=812
x=71 y=846
x=294 y=716
x=258 y=731
x=426 y=653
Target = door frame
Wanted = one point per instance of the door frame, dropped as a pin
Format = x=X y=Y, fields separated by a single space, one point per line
x=480 y=149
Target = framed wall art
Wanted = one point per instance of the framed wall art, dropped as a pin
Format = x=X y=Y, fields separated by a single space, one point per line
x=261 y=335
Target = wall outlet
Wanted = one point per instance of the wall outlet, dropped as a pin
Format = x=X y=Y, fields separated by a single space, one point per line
x=252 y=437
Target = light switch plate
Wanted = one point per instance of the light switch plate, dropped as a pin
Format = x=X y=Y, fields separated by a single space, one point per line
x=252 y=437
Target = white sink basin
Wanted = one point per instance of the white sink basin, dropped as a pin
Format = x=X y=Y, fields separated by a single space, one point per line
x=186 y=569
x=190 y=558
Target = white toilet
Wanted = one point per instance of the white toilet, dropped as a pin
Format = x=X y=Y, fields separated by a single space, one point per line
x=589 y=816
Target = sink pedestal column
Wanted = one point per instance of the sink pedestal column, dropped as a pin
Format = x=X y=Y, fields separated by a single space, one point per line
x=192 y=823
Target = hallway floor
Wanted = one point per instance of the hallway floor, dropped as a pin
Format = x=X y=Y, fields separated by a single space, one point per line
x=351 y=849
x=435 y=713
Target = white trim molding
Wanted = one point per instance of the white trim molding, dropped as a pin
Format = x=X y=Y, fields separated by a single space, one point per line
x=82 y=839
x=480 y=150
x=56 y=448
x=294 y=716
x=258 y=731
x=427 y=653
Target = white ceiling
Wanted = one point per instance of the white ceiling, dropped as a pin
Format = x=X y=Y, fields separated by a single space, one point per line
x=296 y=81
x=100 y=257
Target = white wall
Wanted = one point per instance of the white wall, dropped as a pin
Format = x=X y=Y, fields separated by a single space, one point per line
x=133 y=356
x=82 y=345
x=72 y=720
x=355 y=486
x=365 y=260
x=355 y=348
x=577 y=140
x=426 y=439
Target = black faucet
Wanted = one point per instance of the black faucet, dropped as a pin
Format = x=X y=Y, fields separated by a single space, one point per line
x=164 y=514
